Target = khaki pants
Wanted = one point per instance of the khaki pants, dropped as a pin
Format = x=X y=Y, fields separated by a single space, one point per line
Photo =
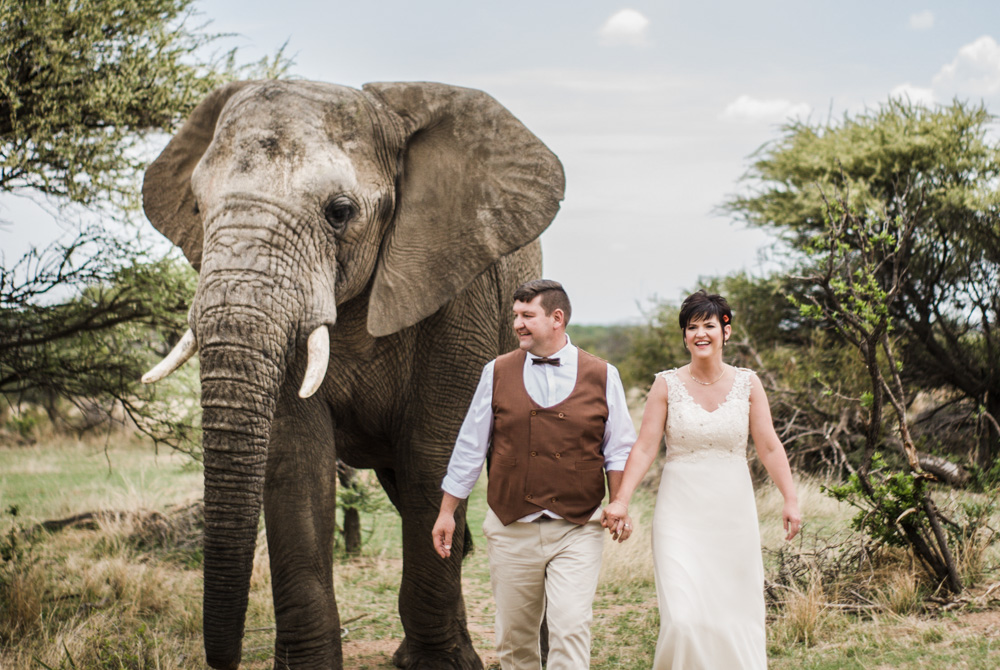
x=553 y=563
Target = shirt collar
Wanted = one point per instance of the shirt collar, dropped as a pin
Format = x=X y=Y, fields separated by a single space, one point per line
x=563 y=354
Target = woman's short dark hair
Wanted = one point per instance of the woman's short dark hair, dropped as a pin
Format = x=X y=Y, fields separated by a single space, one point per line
x=703 y=305
x=553 y=296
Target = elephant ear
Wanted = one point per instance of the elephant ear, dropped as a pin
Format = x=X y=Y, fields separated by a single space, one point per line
x=475 y=185
x=167 y=198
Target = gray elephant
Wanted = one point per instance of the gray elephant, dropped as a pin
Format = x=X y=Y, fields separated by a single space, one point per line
x=358 y=251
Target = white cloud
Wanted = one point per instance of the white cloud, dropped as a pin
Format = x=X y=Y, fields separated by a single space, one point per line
x=922 y=20
x=626 y=27
x=746 y=108
x=975 y=70
x=915 y=94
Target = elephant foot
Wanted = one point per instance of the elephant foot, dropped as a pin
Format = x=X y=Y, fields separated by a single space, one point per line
x=461 y=656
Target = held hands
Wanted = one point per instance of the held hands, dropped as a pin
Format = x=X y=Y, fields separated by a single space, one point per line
x=444 y=529
x=616 y=519
x=792 y=518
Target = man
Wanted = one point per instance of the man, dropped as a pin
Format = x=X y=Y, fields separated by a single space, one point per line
x=550 y=419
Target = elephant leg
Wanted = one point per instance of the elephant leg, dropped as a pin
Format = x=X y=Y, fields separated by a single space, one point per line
x=387 y=478
x=300 y=514
x=430 y=597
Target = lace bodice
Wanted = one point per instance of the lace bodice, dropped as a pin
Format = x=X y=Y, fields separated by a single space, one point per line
x=694 y=433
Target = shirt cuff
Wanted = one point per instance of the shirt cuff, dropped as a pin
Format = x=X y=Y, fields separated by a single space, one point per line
x=615 y=464
x=450 y=487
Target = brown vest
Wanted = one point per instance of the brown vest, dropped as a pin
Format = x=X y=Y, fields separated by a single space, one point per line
x=547 y=457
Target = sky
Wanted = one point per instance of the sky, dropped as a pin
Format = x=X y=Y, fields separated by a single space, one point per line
x=654 y=108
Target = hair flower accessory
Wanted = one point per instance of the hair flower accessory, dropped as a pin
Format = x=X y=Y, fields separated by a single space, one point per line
x=725 y=317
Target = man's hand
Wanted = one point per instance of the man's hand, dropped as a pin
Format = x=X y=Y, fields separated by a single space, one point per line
x=616 y=519
x=444 y=529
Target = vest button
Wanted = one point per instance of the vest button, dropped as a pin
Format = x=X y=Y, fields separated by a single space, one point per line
x=561 y=415
x=553 y=499
x=558 y=455
x=534 y=453
x=528 y=497
x=533 y=412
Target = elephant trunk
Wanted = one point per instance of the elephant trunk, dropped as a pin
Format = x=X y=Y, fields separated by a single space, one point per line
x=240 y=382
x=249 y=315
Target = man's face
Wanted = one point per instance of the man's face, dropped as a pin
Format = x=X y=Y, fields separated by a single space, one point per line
x=540 y=333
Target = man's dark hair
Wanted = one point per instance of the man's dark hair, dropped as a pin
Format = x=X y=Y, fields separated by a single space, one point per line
x=703 y=305
x=553 y=296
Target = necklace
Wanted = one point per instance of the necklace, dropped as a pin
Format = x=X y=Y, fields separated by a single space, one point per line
x=706 y=383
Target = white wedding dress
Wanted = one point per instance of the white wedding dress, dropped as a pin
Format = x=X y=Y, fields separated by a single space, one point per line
x=706 y=541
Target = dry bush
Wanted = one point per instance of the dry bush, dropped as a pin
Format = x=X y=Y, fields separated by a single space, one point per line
x=901 y=593
x=22 y=588
x=803 y=615
x=179 y=529
x=976 y=538
x=104 y=590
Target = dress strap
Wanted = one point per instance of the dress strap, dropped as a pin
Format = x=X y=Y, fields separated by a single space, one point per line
x=741 y=384
x=675 y=387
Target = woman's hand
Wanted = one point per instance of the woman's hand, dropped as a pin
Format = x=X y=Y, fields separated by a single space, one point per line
x=624 y=530
x=791 y=518
x=616 y=519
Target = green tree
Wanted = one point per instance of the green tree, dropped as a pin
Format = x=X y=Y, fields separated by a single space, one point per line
x=937 y=168
x=858 y=263
x=86 y=82
x=85 y=86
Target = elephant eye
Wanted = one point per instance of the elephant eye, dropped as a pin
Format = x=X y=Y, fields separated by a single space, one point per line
x=339 y=212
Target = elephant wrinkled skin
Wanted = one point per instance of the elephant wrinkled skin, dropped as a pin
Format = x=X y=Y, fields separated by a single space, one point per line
x=401 y=217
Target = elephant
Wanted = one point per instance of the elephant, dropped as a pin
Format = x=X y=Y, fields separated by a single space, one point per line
x=357 y=252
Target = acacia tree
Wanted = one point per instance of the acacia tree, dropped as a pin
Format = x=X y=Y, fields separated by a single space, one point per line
x=934 y=167
x=85 y=82
x=859 y=265
x=88 y=350
x=84 y=86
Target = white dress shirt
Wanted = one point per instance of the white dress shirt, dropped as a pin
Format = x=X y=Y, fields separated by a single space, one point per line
x=547 y=385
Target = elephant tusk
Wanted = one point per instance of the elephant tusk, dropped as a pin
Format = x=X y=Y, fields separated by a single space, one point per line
x=317 y=361
x=184 y=350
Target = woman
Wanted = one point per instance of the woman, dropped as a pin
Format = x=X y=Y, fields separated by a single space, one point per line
x=706 y=541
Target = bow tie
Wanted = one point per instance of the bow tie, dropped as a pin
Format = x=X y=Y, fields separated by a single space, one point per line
x=545 y=361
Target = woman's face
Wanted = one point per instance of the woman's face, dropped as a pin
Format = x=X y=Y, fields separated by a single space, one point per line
x=704 y=337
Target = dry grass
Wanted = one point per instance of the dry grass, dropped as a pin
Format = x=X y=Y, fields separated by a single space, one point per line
x=901 y=592
x=23 y=602
x=125 y=592
x=821 y=514
x=631 y=562
x=802 y=617
x=977 y=545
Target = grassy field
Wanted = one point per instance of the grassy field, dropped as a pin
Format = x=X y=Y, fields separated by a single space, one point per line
x=123 y=589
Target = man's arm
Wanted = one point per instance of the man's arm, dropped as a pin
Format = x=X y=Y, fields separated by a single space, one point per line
x=444 y=527
x=614 y=482
x=619 y=436
x=466 y=462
